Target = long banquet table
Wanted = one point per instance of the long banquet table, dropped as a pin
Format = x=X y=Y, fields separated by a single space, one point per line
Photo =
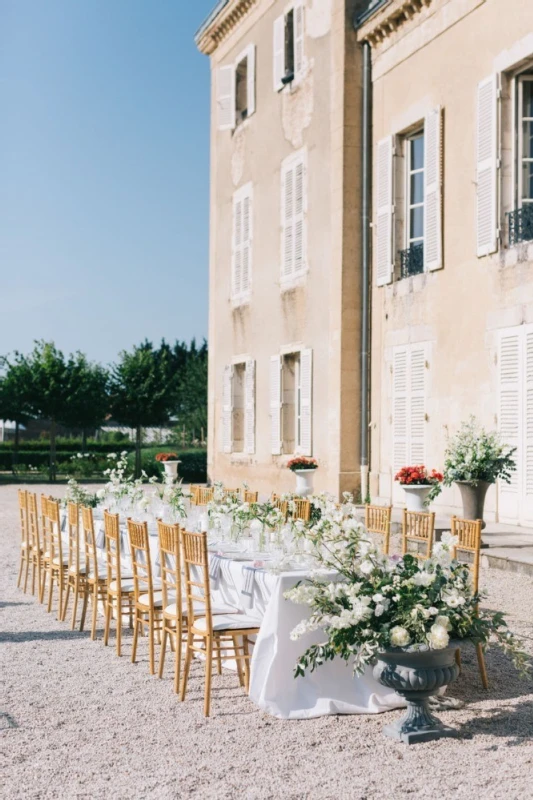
x=258 y=592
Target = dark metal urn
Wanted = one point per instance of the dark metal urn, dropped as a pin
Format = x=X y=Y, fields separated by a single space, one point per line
x=417 y=676
x=473 y=497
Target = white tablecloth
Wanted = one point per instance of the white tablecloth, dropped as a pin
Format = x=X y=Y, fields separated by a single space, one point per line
x=331 y=689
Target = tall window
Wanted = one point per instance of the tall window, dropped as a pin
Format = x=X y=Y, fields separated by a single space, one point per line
x=236 y=90
x=291 y=396
x=238 y=405
x=525 y=139
x=415 y=190
x=291 y=409
x=289 y=45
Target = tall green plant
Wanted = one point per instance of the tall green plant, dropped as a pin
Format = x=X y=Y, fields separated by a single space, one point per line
x=15 y=395
x=142 y=391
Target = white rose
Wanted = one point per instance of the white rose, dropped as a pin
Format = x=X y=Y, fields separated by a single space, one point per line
x=399 y=637
x=444 y=621
x=377 y=598
x=366 y=567
x=423 y=578
x=438 y=637
x=379 y=609
x=433 y=611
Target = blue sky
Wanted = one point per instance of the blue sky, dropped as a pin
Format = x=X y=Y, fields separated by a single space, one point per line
x=104 y=173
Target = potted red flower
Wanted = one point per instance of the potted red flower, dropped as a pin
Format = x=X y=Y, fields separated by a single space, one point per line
x=304 y=469
x=170 y=463
x=419 y=485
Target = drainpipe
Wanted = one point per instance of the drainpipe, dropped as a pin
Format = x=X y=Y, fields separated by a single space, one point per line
x=365 y=262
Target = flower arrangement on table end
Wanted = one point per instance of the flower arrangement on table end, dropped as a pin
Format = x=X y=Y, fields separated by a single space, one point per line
x=300 y=462
x=419 y=476
x=379 y=603
x=163 y=457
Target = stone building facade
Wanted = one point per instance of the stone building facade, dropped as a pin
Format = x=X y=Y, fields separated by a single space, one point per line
x=451 y=312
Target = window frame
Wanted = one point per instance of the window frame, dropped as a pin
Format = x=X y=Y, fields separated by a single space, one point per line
x=410 y=241
x=519 y=122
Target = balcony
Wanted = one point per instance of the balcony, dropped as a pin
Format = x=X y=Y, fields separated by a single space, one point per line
x=520 y=224
x=412 y=261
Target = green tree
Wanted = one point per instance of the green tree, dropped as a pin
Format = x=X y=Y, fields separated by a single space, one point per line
x=191 y=408
x=88 y=397
x=143 y=391
x=15 y=395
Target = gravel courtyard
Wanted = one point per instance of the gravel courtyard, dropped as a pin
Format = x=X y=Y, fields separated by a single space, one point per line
x=77 y=722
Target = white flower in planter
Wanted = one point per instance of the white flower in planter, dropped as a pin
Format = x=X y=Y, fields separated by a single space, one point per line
x=452 y=598
x=438 y=637
x=399 y=637
x=444 y=621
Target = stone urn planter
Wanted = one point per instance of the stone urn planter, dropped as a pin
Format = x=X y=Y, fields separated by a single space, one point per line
x=416 y=496
x=171 y=468
x=417 y=676
x=304 y=481
x=473 y=497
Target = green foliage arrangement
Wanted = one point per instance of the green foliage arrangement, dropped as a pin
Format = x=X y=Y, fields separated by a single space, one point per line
x=475 y=454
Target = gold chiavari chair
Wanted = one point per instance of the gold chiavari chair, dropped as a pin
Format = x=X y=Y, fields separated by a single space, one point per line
x=77 y=568
x=35 y=544
x=302 y=510
x=283 y=505
x=120 y=589
x=194 y=489
x=45 y=545
x=172 y=605
x=204 y=495
x=233 y=493
x=250 y=497
x=57 y=561
x=468 y=551
x=377 y=522
x=96 y=572
x=211 y=632
x=418 y=529
x=25 y=554
x=147 y=607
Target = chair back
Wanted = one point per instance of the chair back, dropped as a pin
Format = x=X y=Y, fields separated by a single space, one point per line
x=236 y=493
x=194 y=489
x=468 y=548
x=45 y=525
x=302 y=510
x=283 y=505
x=418 y=529
x=89 y=538
x=23 y=513
x=113 y=550
x=73 y=529
x=34 y=536
x=170 y=563
x=196 y=568
x=53 y=518
x=204 y=495
x=140 y=560
x=250 y=497
x=377 y=522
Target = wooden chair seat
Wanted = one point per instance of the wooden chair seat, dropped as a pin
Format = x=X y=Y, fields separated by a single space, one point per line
x=236 y=623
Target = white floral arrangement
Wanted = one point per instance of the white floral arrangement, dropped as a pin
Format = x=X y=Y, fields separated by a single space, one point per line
x=372 y=603
x=79 y=495
x=121 y=484
x=475 y=454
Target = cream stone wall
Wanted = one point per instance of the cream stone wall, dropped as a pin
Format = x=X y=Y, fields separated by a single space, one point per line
x=320 y=114
x=437 y=58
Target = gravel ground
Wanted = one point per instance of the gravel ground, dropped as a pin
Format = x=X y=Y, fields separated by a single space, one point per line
x=77 y=722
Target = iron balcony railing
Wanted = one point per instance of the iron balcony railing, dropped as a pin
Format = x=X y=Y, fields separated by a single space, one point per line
x=521 y=224
x=412 y=260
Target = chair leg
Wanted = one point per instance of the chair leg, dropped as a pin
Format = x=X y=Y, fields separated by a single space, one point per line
x=33 y=573
x=108 y=611
x=19 y=579
x=119 y=626
x=60 y=590
x=163 y=649
x=208 y=674
x=136 y=623
x=27 y=562
x=219 y=659
x=65 y=604
x=75 y=606
x=43 y=584
x=482 y=667
x=95 y=610
x=186 y=666
x=151 y=645
x=84 y=607
x=238 y=661
x=50 y=590
x=246 y=663
x=177 y=660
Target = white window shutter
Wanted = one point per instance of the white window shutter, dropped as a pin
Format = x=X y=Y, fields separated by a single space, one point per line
x=432 y=190
x=279 y=52
x=275 y=405
x=246 y=242
x=226 y=97
x=384 y=211
x=287 y=220
x=299 y=37
x=237 y=271
x=249 y=407
x=527 y=514
x=300 y=202
x=250 y=88
x=400 y=399
x=417 y=404
x=487 y=166
x=509 y=414
x=227 y=410
x=306 y=402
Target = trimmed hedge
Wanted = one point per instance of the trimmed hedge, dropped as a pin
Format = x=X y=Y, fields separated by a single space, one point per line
x=193 y=467
x=67 y=447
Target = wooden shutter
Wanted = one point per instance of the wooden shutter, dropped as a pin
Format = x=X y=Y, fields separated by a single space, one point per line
x=509 y=414
x=527 y=461
x=400 y=398
x=242 y=241
x=287 y=220
x=306 y=402
x=279 y=52
x=417 y=404
x=299 y=37
x=249 y=407
x=432 y=190
x=226 y=98
x=250 y=74
x=246 y=240
x=384 y=212
x=275 y=405
x=227 y=410
x=300 y=202
x=487 y=166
